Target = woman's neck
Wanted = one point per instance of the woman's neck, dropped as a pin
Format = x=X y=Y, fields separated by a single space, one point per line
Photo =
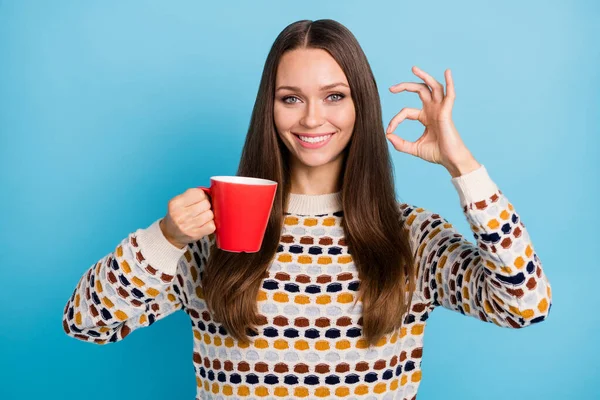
x=323 y=179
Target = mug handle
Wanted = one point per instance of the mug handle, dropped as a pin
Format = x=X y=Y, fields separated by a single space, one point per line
x=206 y=190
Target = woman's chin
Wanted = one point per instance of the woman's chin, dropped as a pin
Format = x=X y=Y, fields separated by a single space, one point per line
x=313 y=160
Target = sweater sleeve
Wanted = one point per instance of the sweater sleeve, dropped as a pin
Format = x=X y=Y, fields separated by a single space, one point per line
x=499 y=278
x=143 y=280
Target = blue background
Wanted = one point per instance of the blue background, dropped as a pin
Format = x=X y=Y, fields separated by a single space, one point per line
x=109 y=109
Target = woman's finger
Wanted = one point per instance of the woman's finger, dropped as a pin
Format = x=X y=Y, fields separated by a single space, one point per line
x=198 y=208
x=405 y=113
x=436 y=87
x=421 y=88
x=450 y=94
x=403 y=145
x=202 y=218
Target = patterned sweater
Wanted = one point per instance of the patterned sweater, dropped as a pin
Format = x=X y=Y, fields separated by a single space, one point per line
x=309 y=344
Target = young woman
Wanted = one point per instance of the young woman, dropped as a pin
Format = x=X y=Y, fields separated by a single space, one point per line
x=336 y=301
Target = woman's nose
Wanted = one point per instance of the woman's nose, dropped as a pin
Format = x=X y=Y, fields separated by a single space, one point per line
x=313 y=116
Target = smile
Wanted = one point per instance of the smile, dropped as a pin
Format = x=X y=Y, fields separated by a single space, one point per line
x=313 y=142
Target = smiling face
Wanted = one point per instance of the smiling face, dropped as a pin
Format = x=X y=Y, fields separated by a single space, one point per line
x=312 y=98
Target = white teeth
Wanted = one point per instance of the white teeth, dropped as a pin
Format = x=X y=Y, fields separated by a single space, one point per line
x=314 y=140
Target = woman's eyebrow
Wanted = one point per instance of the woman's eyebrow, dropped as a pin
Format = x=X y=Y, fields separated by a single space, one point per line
x=326 y=87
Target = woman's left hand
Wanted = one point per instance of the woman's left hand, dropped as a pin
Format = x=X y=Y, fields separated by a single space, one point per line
x=440 y=143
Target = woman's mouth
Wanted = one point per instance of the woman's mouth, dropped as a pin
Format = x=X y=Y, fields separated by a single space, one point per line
x=313 y=142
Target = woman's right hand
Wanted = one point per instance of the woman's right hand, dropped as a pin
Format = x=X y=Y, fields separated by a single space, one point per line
x=189 y=218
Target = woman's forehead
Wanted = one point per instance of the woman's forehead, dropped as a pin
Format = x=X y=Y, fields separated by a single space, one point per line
x=309 y=68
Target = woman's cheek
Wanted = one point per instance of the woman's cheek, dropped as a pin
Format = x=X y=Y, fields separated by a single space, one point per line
x=283 y=121
x=344 y=118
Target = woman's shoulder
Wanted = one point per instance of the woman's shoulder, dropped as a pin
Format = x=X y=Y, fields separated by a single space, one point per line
x=410 y=210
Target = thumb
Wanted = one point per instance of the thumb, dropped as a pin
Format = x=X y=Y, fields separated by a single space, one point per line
x=402 y=145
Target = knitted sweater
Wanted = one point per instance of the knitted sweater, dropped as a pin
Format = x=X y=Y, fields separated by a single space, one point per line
x=309 y=344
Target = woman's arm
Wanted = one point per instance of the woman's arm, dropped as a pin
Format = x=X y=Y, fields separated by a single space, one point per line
x=499 y=278
x=141 y=281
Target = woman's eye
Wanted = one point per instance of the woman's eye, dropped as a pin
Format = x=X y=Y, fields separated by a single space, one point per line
x=286 y=98
x=341 y=96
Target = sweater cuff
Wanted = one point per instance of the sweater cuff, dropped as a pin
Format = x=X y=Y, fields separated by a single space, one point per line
x=474 y=186
x=157 y=250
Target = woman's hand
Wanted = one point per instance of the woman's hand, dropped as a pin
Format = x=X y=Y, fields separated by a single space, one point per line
x=440 y=142
x=189 y=218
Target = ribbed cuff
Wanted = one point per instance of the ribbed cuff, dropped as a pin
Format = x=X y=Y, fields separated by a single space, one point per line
x=157 y=250
x=474 y=186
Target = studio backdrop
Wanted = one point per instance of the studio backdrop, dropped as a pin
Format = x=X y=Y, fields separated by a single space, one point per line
x=108 y=109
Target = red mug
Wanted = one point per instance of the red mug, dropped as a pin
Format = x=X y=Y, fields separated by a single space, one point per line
x=241 y=207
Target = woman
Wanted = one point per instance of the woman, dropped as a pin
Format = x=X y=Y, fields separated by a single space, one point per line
x=336 y=301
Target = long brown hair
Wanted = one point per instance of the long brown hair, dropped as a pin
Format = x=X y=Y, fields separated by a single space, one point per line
x=371 y=220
